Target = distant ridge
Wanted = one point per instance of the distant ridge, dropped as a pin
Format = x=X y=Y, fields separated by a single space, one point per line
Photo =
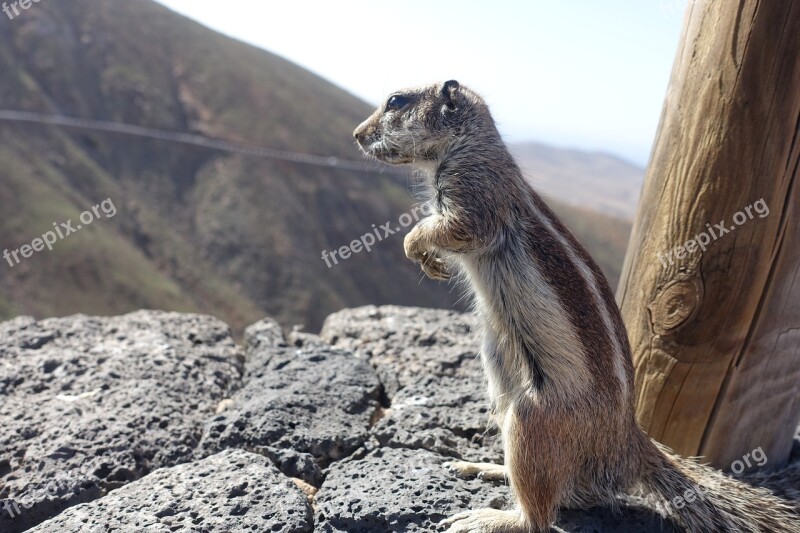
x=197 y=140
x=592 y=180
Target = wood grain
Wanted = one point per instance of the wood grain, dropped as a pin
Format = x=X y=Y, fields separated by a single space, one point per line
x=716 y=333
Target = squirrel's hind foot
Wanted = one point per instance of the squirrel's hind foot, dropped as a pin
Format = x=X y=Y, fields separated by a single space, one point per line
x=486 y=471
x=486 y=521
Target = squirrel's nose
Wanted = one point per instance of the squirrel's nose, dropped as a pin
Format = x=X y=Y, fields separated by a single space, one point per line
x=361 y=131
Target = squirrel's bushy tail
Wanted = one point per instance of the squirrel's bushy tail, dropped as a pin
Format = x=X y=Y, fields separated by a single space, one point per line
x=704 y=500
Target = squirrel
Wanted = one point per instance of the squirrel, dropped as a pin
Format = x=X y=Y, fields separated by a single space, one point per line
x=554 y=347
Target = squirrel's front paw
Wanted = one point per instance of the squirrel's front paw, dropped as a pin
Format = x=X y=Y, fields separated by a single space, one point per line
x=415 y=248
x=434 y=266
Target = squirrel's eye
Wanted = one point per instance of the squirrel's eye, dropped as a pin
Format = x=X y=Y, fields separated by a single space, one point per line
x=396 y=102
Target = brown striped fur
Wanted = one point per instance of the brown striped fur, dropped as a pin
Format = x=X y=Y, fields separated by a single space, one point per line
x=555 y=350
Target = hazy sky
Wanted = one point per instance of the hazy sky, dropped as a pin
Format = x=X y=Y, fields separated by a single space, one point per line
x=577 y=73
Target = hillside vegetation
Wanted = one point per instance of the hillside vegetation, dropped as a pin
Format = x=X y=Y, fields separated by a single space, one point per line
x=196 y=229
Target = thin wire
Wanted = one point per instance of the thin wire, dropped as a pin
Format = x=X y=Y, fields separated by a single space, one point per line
x=197 y=140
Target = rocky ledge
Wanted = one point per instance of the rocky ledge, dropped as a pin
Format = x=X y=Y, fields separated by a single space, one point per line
x=158 y=421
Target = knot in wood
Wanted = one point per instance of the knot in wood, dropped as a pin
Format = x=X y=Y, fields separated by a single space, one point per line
x=675 y=306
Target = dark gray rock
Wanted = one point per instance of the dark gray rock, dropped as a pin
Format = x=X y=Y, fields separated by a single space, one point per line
x=302 y=339
x=397 y=490
x=302 y=407
x=437 y=390
x=403 y=343
x=234 y=491
x=447 y=415
x=89 y=404
x=94 y=404
x=263 y=335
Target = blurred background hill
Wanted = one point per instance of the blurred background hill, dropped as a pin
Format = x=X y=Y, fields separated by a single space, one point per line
x=196 y=229
x=596 y=181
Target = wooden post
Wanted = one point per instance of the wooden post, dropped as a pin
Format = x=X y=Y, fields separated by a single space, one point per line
x=716 y=332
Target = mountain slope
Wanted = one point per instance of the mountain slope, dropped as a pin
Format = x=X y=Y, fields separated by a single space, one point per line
x=592 y=180
x=195 y=229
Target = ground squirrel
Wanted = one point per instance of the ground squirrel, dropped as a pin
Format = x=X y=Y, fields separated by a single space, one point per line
x=554 y=349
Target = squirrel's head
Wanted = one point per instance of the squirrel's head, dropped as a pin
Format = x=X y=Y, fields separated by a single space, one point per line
x=419 y=125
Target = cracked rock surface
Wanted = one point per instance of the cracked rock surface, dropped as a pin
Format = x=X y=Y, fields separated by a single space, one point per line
x=234 y=491
x=90 y=404
x=303 y=406
x=403 y=343
x=398 y=490
x=158 y=422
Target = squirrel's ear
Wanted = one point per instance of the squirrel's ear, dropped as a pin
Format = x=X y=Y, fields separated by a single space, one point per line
x=448 y=92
